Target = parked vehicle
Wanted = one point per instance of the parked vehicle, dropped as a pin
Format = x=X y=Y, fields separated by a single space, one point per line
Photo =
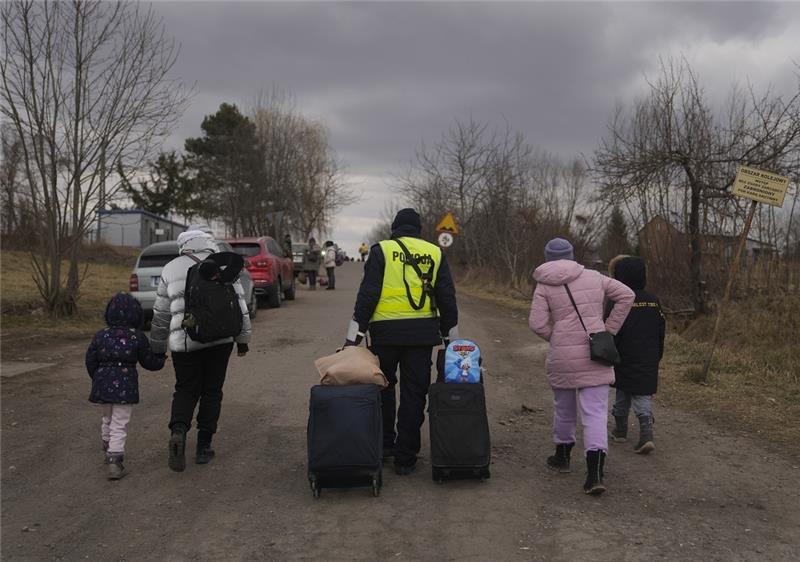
x=271 y=269
x=300 y=258
x=147 y=274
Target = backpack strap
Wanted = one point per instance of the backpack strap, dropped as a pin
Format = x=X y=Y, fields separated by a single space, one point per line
x=427 y=288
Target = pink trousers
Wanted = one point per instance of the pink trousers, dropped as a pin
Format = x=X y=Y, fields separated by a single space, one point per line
x=114 y=428
x=593 y=402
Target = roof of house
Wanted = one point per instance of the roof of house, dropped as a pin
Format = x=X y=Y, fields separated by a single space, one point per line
x=107 y=212
x=720 y=236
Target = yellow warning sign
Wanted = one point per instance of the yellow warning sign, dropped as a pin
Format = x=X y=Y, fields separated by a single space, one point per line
x=759 y=185
x=447 y=224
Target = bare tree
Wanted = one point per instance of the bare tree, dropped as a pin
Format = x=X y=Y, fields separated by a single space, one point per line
x=382 y=230
x=673 y=153
x=508 y=198
x=86 y=85
x=303 y=177
x=9 y=177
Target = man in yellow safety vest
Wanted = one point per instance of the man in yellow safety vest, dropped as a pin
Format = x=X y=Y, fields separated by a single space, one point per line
x=407 y=302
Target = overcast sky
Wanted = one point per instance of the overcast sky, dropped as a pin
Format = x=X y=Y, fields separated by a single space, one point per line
x=386 y=76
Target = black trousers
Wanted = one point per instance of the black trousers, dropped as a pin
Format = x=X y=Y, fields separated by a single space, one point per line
x=312 y=278
x=199 y=376
x=331 y=277
x=415 y=378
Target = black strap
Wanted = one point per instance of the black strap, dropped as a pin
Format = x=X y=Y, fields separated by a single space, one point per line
x=569 y=293
x=427 y=288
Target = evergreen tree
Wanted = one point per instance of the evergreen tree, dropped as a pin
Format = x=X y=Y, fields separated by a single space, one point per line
x=227 y=169
x=616 y=240
x=167 y=189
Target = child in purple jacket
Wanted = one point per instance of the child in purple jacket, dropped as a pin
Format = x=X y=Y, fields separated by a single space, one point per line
x=111 y=362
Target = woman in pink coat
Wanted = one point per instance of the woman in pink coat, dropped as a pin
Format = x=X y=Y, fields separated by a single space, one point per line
x=576 y=380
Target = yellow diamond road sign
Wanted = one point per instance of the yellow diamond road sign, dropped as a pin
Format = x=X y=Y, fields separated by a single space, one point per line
x=447 y=224
x=761 y=186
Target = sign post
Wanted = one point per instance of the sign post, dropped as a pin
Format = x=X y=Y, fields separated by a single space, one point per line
x=447 y=229
x=760 y=186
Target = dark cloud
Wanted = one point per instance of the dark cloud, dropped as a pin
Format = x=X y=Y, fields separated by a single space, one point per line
x=385 y=76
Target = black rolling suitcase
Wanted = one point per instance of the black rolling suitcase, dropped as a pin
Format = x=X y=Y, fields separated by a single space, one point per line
x=460 y=445
x=345 y=437
x=459 y=427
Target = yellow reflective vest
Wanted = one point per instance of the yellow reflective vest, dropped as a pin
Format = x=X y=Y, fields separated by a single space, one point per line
x=394 y=303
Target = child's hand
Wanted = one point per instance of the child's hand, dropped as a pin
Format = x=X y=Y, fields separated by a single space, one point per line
x=242 y=349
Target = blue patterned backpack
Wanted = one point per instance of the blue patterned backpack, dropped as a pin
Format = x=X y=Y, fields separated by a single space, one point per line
x=461 y=362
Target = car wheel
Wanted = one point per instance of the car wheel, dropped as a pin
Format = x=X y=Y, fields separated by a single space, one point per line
x=288 y=294
x=275 y=295
x=252 y=307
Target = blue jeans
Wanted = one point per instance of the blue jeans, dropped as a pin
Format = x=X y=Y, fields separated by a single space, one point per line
x=642 y=405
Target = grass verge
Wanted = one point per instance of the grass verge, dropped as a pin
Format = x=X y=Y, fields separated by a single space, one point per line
x=24 y=320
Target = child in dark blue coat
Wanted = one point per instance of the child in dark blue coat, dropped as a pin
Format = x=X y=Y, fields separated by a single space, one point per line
x=111 y=362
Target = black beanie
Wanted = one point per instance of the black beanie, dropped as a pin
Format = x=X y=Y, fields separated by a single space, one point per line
x=407 y=218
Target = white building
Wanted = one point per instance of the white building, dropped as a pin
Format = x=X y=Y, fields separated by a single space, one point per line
x=135 y=227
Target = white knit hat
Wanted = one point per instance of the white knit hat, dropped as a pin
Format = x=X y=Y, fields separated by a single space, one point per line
x=185 y=237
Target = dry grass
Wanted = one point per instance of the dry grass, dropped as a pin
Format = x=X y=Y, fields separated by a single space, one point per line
x=24 y=319
x=504 y=295
x=754 y=383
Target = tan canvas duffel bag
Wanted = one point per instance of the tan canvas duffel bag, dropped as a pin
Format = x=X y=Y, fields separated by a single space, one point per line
x=351 y=365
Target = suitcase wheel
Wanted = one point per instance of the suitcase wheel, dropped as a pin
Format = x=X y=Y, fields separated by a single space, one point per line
x=376 y=486
x=315 y=489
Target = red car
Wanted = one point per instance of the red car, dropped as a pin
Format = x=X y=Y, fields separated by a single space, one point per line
x=272 y=271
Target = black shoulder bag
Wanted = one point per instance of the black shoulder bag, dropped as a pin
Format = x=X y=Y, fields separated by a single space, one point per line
x=601 y=344
x=426 y=278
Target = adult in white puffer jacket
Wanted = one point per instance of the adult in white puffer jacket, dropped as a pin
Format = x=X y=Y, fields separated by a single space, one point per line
x=200 y=368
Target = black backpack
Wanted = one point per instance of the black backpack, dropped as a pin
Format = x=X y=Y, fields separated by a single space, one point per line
x=212 y=310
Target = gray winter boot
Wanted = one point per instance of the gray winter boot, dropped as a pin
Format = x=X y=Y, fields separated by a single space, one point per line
x=177 y=448
x=645 y=444
x=620 y=432
x=204 y=451
x=116 y=469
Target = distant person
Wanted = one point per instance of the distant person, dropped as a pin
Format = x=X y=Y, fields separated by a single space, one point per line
x=287 y=245
x=406 y=317
x=329 y=261
x=576 y=380
x=200 y=368
x=314 y=255
x=363 y=250
x=111 y=362
x=640 y=343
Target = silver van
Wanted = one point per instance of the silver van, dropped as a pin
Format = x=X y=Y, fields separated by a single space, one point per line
x=147 y=274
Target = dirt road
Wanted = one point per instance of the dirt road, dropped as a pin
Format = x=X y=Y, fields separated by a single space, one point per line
x=705 y=494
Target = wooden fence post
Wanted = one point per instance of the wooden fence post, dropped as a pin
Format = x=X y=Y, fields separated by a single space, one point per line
x=728 y=288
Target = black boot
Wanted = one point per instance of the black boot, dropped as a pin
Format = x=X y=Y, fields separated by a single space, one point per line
x=177 y=448
x=620 y=433
x=645 y=444
x=204 y=451
x=595 y=462
x=560 y=461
